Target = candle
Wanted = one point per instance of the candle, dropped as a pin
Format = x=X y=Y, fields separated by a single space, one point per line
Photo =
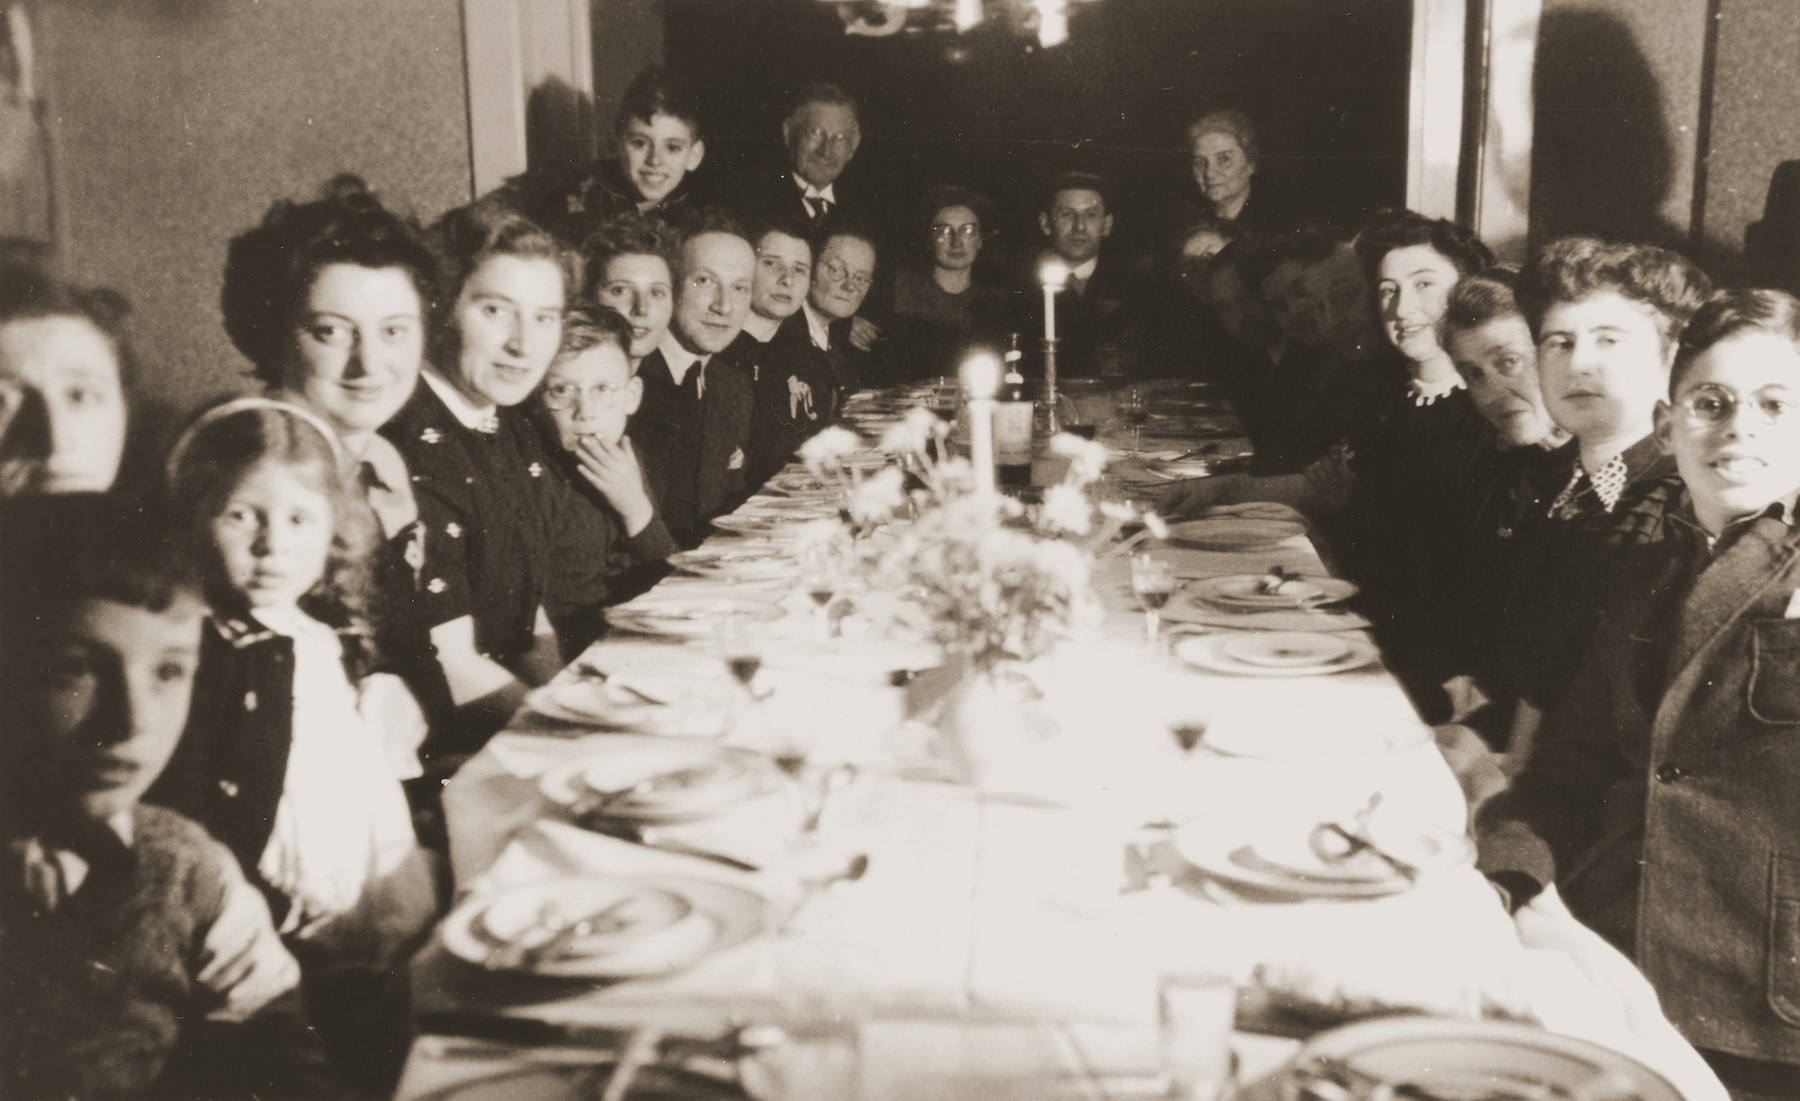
x=1055 y=276
x=981 y=381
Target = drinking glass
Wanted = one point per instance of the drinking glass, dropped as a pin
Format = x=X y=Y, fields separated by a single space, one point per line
x=1134 y=410
x=819 y=576
x=1153 y=580
x=1198 y=1010
x=742 y=651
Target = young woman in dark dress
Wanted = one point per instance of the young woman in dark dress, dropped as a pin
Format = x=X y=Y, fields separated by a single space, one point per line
x=511 y=545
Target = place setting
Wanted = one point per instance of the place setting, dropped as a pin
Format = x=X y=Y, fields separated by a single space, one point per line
x=741 y=561
x=1292 y=856
x=690 y=617
x=1271 y=653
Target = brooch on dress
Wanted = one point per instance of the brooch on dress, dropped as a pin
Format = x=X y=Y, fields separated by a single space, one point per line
x=431 y=435
x=536 y=469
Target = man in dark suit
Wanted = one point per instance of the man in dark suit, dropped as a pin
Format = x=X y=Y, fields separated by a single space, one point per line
x=1103 y=312
x=694 y=423
x=821 y=134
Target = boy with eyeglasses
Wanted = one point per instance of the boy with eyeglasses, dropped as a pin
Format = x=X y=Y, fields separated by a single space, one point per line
x=1659 y=797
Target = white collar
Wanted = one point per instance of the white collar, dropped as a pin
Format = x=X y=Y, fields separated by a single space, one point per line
x=818 y=326
x=476 y=418
x=1084 y=271
x=680 y=360
x=828 y=192
x=760 y=327
x=1423 y=394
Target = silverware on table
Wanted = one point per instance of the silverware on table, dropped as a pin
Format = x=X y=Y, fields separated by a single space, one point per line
x=1359 y=842
x=587 y=669
x=649 y=837
x=514 y=953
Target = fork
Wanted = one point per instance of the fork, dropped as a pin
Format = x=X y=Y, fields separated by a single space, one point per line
x=586 y=668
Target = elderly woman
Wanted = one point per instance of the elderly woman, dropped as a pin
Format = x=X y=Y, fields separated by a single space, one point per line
x=331 y=301
x=1223 y=146
x=64 y=374
x=511 y=545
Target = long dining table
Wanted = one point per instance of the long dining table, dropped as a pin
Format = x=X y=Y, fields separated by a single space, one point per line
x=935 y=938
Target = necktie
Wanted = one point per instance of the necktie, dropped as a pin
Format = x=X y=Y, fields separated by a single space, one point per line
x=820 y=208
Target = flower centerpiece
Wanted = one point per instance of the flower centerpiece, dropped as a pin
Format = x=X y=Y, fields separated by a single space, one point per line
x=995 y=584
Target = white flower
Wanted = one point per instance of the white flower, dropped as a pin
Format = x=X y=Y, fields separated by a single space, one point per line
x=1087 y=458
x=910 y=434
x=827 y=450
x=1156 y=526
x=817 y=534
x=879 y=496
x=1118 y=510
x=1066 y=511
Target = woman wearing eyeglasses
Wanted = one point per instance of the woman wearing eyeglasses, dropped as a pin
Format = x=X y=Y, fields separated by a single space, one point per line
x=940 y=307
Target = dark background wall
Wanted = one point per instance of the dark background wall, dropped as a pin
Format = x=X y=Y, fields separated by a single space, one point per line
x=1327 y=82
x=1754 y=122
x=181 y=120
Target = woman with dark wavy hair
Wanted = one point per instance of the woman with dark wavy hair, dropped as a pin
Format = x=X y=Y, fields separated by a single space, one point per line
x=332 y=302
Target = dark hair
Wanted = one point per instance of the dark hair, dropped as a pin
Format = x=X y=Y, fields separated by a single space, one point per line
x=1078 y=181
x=627 y=234
x=948 y=195
x=788 y=225
x=1227 y=120
x=712 y=219
x=30 y=293
x=1573 y=268
x=824 y=93
x=587 y=326
x=1733 y=313
x=1484 y=296
x=1306 y=244
x=1205 y=222
x=654 y=92
x=471 y=235
x=851 y=228
x=60 y=550
x=217 y=455
x=270 y=270
x=1390 y=229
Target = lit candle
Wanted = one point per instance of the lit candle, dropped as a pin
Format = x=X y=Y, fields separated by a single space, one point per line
x=1055 y=276
x=981 y=381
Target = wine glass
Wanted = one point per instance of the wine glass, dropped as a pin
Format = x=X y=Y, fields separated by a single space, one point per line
x=819 y=577
x=1153 y=580
x=1134 y=410
x=742 y=652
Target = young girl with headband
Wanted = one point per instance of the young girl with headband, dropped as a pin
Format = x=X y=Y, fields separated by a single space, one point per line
x=277 y=759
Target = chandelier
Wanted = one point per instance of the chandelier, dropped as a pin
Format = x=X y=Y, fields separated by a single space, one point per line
x=1047 y=20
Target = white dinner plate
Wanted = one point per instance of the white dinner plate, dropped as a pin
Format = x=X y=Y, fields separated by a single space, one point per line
x=1244 y=592
x=1234 y=533
x=1273 y=854
x=689 y=706
x=654 y=925
x=690 y=617
x=803 y=483
x=660 y=780
x=1461 y=1060
x=1276 y=653
x=751 y=562
x=1282 y=619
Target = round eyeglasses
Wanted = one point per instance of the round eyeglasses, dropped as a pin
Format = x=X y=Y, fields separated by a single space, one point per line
x=968 y=231
x=838 y=272
x=565 y=395
x=1714 y=405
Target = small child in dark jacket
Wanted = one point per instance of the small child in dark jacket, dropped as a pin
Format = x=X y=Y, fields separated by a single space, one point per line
x=135 y=958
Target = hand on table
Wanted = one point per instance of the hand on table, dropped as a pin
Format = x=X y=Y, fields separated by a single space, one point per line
x=1182 y=500
x=613 y=469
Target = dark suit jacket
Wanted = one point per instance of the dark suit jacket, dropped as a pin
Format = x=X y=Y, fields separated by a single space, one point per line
x=1660 y=795
x=695 y=462
x=770 y=192
x=795 y=395
x=1107 y=327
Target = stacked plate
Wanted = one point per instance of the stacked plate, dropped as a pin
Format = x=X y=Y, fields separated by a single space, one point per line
x=655 y=781
x=1250 y=592
x=644 y=702
x=1458 y=1060
x=748 y=562
x=602 y=928
x=689 y=617
x=1277 y=653
x=800 y=483
x=1293 y=857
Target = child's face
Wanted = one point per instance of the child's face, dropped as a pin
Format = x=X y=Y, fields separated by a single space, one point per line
x=509 y=321
x=783 y=274
x=1734 y=427
x=62 y=407
x=591 y=394
x=1602 y=365
x=657 y=153
x=639 y=286
x=112 y=698
x=273 y=536
x=358 y=344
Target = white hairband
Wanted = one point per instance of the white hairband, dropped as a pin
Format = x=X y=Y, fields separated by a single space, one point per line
x=177 y=453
